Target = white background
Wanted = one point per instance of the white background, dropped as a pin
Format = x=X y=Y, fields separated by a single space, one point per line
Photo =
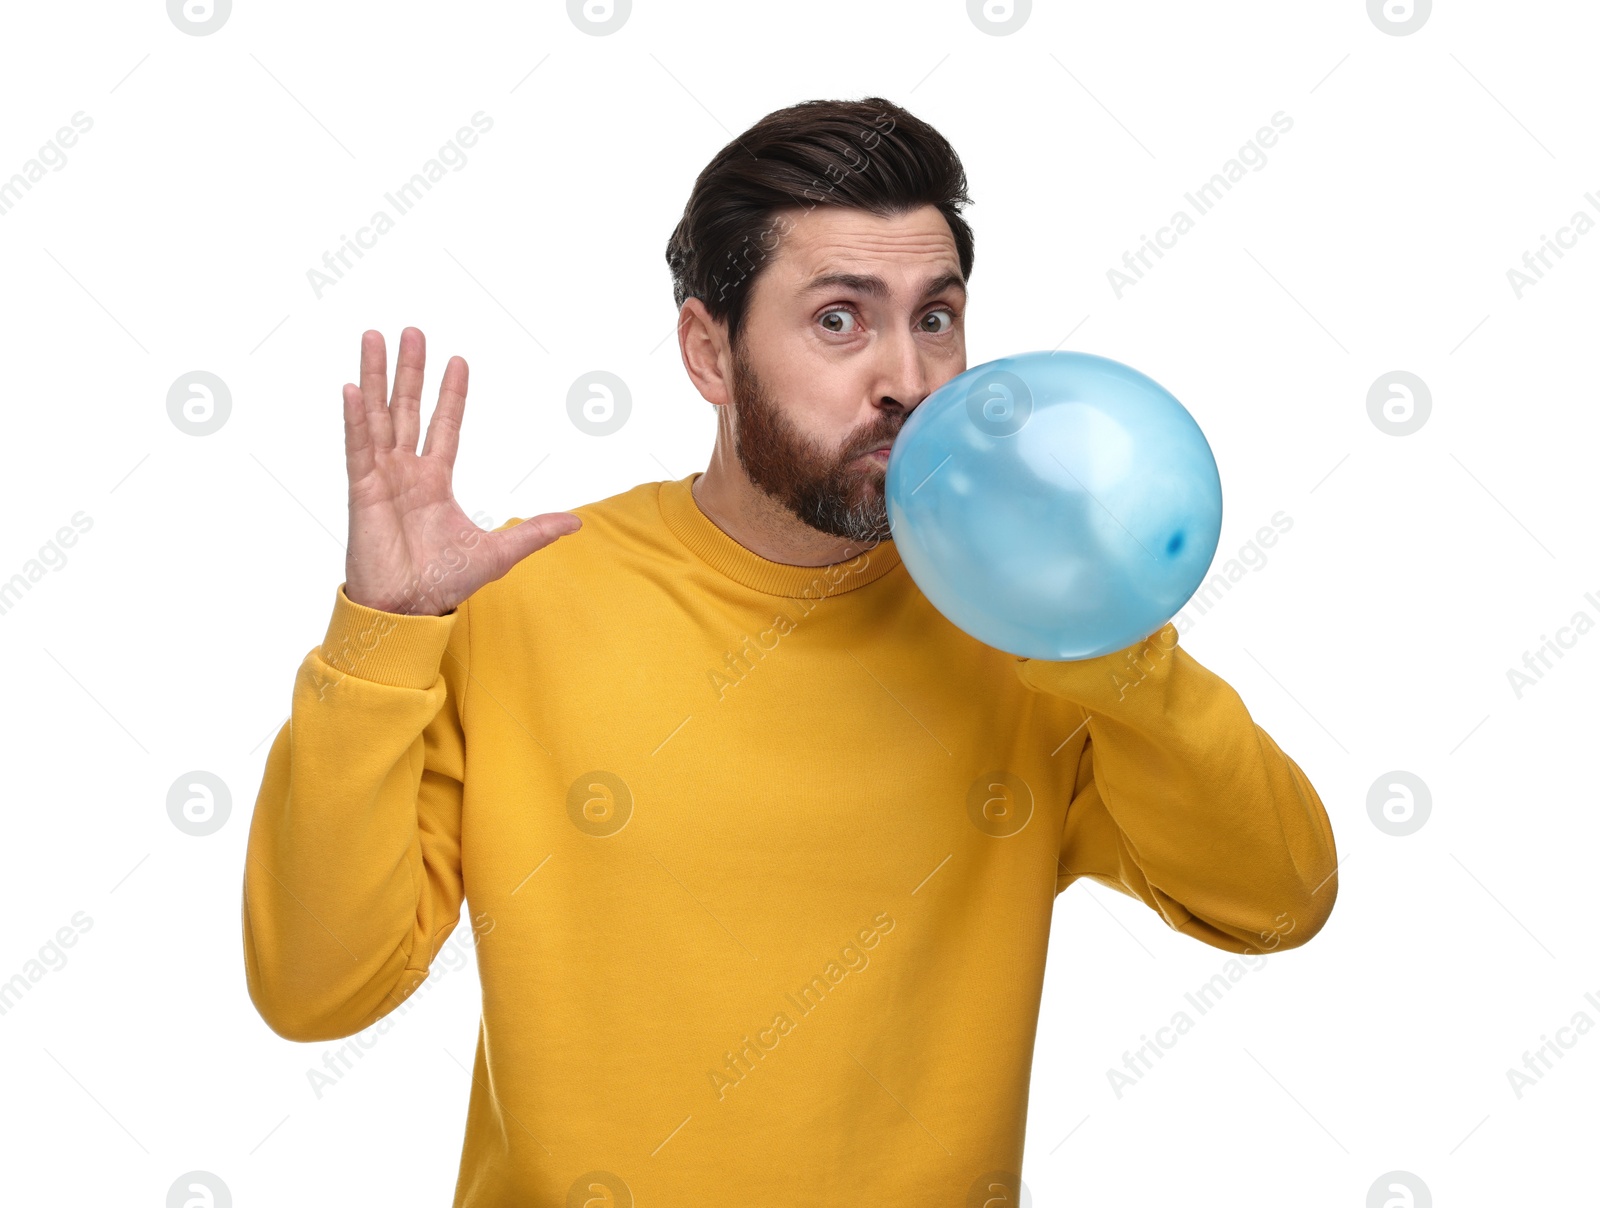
x=1376 y=637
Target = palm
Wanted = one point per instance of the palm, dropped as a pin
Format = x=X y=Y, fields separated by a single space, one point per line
x=412 y=549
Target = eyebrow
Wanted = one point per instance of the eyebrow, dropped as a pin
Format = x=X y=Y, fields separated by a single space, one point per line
x=865 y=283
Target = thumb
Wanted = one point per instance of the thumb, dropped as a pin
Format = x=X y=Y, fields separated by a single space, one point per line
x=512 y=545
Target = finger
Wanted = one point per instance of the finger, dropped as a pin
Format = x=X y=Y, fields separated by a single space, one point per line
x=406 y=405
x=510 y=546
x=445 y=427
x=375 y=389
x=357 y=436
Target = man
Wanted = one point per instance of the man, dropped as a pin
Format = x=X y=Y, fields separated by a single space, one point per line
x=760 y=850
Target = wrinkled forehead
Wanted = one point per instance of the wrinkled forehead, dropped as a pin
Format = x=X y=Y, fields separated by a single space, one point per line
x=834 y=248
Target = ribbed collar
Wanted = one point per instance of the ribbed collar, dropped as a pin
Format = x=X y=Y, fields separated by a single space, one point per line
x=725 y=555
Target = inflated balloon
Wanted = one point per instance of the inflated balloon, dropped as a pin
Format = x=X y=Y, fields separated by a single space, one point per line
x=1055 y=505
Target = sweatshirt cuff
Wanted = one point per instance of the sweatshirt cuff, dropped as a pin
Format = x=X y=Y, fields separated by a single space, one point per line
x=386 y=647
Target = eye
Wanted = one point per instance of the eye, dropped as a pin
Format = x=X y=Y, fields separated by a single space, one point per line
x=950 y=317
x=840 y=310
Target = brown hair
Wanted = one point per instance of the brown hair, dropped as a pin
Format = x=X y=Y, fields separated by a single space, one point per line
x=868 y=154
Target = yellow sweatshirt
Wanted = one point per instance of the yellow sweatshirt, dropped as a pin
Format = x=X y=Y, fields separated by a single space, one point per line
x=759 y=859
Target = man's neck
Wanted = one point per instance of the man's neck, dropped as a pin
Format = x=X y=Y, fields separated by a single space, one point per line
x=757 y=522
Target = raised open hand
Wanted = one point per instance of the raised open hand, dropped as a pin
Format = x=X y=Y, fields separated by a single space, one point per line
x=412 y=549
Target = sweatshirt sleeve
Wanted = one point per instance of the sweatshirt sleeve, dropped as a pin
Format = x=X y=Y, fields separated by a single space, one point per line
x=353 y=865
x=1182 y=801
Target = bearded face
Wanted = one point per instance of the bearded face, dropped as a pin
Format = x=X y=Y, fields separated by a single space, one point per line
x=834 y=490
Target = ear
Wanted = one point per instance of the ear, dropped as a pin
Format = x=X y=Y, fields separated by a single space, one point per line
x=707 y=356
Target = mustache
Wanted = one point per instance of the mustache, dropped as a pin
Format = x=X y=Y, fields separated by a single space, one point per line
x=876 y=442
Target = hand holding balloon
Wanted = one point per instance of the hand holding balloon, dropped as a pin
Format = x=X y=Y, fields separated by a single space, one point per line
x=1055 y=505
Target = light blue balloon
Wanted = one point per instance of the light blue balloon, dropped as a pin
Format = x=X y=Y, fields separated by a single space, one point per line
x=1055 y=505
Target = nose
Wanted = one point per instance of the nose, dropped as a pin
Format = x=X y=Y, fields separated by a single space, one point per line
x=904 y=372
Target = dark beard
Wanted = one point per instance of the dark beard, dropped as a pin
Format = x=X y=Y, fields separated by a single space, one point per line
x=840 y=498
